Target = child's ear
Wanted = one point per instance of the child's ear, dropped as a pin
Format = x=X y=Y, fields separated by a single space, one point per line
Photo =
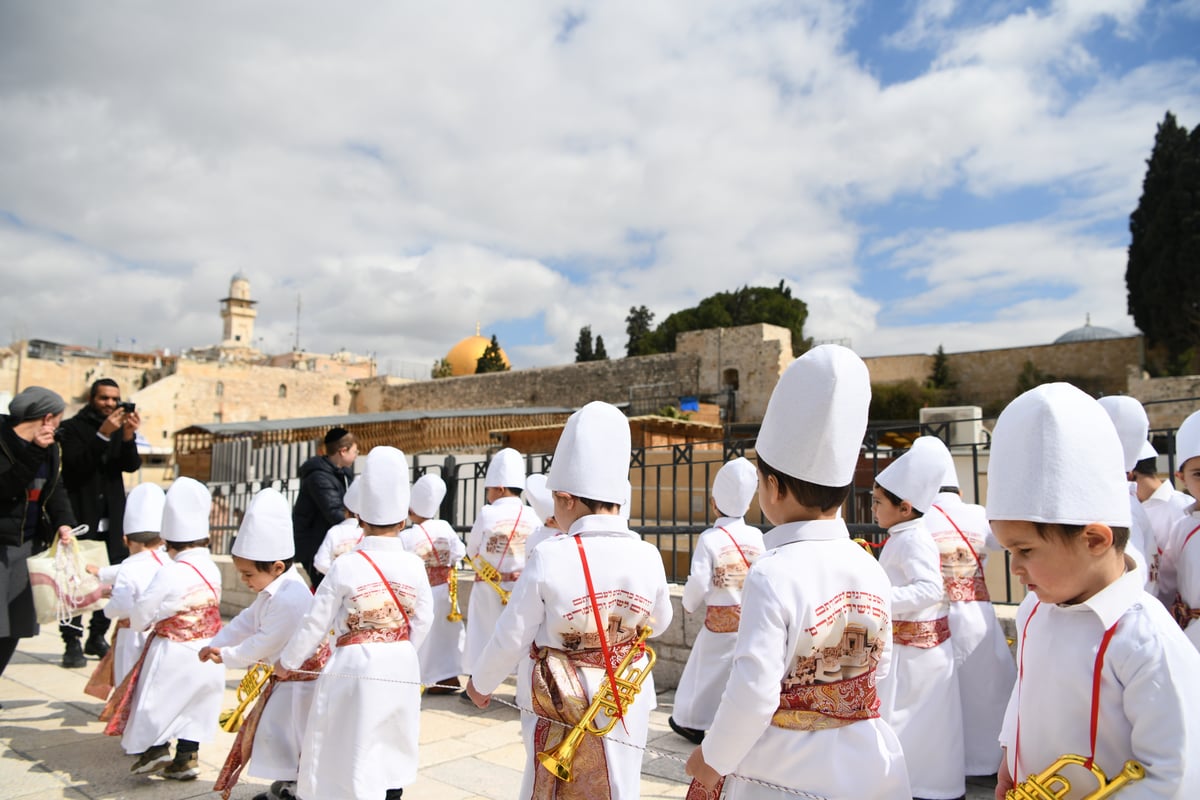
x=278 y=568
x=1098 y=537
x=906 y=508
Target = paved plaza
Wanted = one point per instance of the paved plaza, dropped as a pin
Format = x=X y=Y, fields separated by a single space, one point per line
x=52 y=746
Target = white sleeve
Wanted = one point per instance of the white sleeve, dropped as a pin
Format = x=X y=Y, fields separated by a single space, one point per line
x=315 y=625
x=237 y=629
x=267 y=638
x=423 y=611
x=475 y=537
x=699 y=578
x=922 y=571
x=147 y=610
x=515 y=630
x=323 y=559
x=109 y=574
x=124 y=596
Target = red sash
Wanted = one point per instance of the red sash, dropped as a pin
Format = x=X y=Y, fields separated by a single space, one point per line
x=723 y=619
x=925 y=634
x=966 y=590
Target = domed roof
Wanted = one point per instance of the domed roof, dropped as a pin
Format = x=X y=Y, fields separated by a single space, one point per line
x=1088 y=333
x=464 y=356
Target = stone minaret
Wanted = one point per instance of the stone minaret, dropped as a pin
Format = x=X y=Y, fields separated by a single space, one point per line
x=237 y=312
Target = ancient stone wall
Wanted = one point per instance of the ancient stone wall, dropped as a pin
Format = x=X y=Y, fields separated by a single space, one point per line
x=748 y=359
x=1154 y=392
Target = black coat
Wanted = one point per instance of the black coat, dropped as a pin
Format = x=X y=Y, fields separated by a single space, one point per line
x=19 y=464
x=319 y=505
x=92 y=474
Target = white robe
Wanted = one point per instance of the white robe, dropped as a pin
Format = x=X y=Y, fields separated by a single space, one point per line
x=1185 y=556
x=178 y=696
x=1148 y=692
x=550 y=608
x=339 y=540
x=435 y=542
x=129 y=584
x=717 y=575
x=985 y=666
x=498 y=537
x=922 y=695
x=799 y=600
x=257 y=634
x=361 y=738
x=1163 y=508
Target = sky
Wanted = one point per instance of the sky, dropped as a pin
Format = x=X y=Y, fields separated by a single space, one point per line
x=919 y=172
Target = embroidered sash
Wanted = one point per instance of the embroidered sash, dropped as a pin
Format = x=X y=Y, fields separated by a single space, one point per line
x=100 y=684
x=969 y=589
x=369 y=635
x=723 y=619
x=924 y=634
x=821 y=706
x=438 y=575
x=243 y=743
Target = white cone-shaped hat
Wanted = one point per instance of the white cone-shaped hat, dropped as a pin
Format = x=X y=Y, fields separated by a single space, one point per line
x=507 y=468
x=427 y=495
x=917 y=475
x=384 y=497
x=144 y=509
x=1133 y=426
x=266 y=531
x=1187 y=440
x=186 y=511
x=735 y=486
x=538 y=496
x=350 y=500
x=592 y=456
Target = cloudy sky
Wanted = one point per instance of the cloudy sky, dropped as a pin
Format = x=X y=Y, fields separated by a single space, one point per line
x=920 y=172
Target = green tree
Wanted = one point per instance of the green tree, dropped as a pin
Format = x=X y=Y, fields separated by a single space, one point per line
x=1032 y=377
x=492 y=359
x=1164 y=248
x=637 y=327
x=583 y=345
x=601 y=354
x=441 y=369
x=745 y=306
x=939 y=376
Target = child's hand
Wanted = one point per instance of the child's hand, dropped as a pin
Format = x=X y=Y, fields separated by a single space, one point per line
x=478 y=698
x=1004 y=780
x=92 y=569
x=699 y=769
x=211 y=654
x=105 y=590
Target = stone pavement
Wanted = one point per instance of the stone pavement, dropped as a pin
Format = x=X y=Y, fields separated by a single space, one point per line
x=52 y=746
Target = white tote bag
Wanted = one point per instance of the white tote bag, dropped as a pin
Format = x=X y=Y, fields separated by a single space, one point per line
x=62 y=587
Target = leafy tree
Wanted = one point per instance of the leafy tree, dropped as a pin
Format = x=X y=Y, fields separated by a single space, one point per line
x=939 y=376
x=637 y=327
x=583 y=345
x=1032 y=377
x=441 y=369
x=601 y=354
x=1164 y=249
x=746 y=306
x=491 y=360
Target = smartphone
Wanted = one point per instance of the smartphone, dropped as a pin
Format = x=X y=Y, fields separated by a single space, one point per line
x=127 y=407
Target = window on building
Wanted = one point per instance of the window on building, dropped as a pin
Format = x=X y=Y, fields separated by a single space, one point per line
x=730 y=379
x=283 y=390
x=220 y=388
x=216 y=416
x=337 y=399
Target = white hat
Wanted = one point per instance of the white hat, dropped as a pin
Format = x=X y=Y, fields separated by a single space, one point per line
x=1129 y=418
x=1187 y=440
x=592 y=456
x=427 y=495
x=538 y=496
x=735 y=486
x=144 y=509
x=384 y=497
x=917 y=475
x=816 y=417
x=350 y=500
x=1056 y=458
x=627 y=506
x=1147 y=451
x=185 y=513
x=266 y=531
x=507 y=468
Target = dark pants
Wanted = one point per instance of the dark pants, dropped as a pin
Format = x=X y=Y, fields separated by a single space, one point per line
x=8 y=646
x=97 y=627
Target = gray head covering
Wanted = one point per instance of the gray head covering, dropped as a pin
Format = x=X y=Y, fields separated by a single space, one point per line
x=35 y=402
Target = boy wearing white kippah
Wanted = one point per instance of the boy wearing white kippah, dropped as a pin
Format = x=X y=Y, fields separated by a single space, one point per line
x=800 y=710
x=584 y=604
x=436 y=543
x=169 y=693
x=361 y=739
x=721 y=560
x=270 y=737
x=341 y=538
x=1183 y=544
x=1104 y=674
x=920 y=697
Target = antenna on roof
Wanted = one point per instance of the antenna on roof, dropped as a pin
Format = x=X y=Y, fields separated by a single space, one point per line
x=296 y=343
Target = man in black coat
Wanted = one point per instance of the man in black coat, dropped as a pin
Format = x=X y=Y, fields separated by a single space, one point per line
x=98 y=446
x=323 y=483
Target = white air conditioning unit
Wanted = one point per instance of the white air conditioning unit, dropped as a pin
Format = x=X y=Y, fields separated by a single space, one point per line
x=965 y=424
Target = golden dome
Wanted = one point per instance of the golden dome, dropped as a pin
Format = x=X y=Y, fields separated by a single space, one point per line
x=464 y=356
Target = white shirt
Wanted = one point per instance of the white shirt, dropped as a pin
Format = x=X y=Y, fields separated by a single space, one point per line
x=132 y=579
x=1149 y=695
x=715 y=555
x=191 y=581
x=1163 y=508
x=500 y=531
x=912 y=562
x=261 y=630
x=434 y=542
x=339 y=540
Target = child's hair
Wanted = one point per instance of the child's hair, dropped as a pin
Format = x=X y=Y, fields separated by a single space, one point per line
x=813 y=495
x=144 y=537
x=178 y=546
x=1147 y=466
x=265 y=566
x=370 y=529
x=950 y=490
x=595 y=506
x=334 y=443
x=1047 y=530
x=896 y=500
x=512 y=490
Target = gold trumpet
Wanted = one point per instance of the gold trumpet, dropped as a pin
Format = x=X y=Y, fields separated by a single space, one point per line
x=252 y=684
x=1051 y=784
x=490 y=576
x=452 y=583
x=629 y=681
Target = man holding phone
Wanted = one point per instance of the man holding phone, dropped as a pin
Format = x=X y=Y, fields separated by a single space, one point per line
x=98 y=446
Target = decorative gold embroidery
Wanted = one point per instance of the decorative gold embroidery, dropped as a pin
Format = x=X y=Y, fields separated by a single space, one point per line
x=924 y=634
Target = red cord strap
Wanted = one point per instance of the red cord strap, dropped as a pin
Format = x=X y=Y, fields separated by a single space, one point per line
x=604 y=651
x=387 y=586
x=978 y=562
x=745 y=560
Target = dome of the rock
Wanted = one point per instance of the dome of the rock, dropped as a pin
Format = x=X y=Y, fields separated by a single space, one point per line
x=464 y=356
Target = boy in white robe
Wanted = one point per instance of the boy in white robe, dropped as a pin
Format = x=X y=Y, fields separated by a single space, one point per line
x=132 y=577
x=541 y=501
x=721 y=560
x=1164 y=505
x=984 y=664
x=496 y=545
x=271 y=734
x=1183 y=543
x=435 y=542
x=1133 y=426
x=598 y=570
x=169 y=693
x=341 y=538
x=921 y=697
x=1104 y=674
x=800 y=710
x=361 y=739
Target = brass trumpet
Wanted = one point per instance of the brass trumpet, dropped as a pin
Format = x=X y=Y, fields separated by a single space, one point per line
x=452 y=584
x=1051 y=784
x=491 y=576
x=629 y=681
x=252 y=684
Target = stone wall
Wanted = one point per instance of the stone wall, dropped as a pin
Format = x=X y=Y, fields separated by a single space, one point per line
x=72 y=375
x=894 y=369
x=1153 y=392
x=748 y=359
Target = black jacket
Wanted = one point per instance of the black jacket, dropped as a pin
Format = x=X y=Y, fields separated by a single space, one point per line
x=319 y=504
x=19 y=464
x=92 y=474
